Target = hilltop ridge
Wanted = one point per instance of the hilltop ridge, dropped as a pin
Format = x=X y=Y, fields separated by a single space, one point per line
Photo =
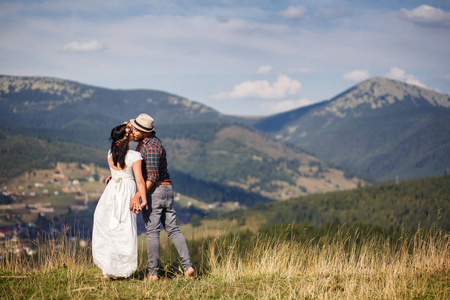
x=46 y=102
x=380 y=92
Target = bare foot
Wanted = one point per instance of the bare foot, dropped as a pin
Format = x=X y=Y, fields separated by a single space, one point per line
x=154 y=277
x=189 y=273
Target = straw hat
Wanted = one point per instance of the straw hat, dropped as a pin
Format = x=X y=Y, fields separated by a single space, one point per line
x=143 y=122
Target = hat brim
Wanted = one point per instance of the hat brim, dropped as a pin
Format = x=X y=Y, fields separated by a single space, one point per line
x=138 y=126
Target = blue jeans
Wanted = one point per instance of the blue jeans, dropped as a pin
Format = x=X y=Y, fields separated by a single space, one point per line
x=160 y=210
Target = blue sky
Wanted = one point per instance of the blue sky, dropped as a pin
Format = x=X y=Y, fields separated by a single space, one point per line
x=247 y=57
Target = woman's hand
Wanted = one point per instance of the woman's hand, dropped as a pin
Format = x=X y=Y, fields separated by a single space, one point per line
x=137 y=208
x=134 y=204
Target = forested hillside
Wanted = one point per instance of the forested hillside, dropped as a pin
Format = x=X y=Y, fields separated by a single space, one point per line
x=237 y=156
x=24 y=153
x=413 y=203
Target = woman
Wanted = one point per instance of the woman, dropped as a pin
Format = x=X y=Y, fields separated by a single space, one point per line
x=114 y=236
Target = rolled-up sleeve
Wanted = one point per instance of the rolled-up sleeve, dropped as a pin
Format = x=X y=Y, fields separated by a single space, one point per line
x=151 y=158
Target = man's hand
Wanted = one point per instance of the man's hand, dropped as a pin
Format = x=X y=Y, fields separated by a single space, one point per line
x=135 y=206
x=108 y=179
x=143 y=204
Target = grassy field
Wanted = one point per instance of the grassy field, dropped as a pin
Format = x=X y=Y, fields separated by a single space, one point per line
x=340 y=265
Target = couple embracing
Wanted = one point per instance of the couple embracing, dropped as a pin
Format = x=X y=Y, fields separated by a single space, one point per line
x=114 y=236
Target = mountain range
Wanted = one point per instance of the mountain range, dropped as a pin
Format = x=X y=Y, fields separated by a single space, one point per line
x=206 y=149
x=43 y=102
x=380 y=129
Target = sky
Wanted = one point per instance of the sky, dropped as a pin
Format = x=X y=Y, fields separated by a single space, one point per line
x=240 y=57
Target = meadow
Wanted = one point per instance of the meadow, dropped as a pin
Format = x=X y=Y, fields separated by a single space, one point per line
x=283 y=261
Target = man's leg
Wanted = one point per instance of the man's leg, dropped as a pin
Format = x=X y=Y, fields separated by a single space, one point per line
x=152 y=219
x=174 y=232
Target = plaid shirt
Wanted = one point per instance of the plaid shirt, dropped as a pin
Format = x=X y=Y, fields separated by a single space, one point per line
x=154 y=156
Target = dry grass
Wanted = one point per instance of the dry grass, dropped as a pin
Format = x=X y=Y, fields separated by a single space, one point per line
x=339 y=266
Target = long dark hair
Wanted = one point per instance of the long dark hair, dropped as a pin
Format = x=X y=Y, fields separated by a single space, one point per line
x=119 y=148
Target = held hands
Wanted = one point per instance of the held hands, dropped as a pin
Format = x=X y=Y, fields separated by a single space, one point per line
x=135 y=206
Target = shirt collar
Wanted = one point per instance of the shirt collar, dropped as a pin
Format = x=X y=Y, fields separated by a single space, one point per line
x=147 y=140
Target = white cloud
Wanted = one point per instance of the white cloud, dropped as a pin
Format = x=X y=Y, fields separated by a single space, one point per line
x=396 y=73
x=265 y=69
x=399 y=74
x=427 y=15
x=198 y=50
x=285 y=105
x=77 y=46
x=293 y=12
x=413 y=80
x=262 y=89
x=357 y=75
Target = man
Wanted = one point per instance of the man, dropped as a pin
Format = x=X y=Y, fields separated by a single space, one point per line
x=160 y=197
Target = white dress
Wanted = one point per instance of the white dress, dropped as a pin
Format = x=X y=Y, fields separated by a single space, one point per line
x=114 y=236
